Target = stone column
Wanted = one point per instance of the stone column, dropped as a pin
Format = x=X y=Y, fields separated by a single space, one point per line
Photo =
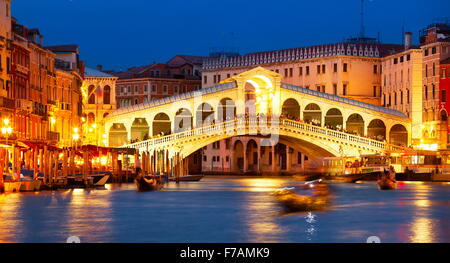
x=288 y=159
x=273 y=158
x=245 y=158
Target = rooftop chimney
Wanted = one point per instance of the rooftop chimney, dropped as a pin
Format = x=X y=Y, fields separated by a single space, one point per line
x=408 y=40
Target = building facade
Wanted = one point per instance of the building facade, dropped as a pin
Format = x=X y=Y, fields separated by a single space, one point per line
x=247 y=155
x=402 y=85
x=350 y=70
x=6 y=103
x=99 y=100
x=435 y=45
x=141 y=84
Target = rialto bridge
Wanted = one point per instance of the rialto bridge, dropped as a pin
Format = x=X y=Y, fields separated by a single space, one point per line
x=257 y=103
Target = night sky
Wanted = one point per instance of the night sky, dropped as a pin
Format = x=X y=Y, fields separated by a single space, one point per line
x=123 y=33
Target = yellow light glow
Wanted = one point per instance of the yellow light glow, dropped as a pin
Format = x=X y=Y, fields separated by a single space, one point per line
x=53 y=120
x=76 y=136
x=9 y=130
x=94 y=125
x=104 y=135
x=75 y=130
x=103 y=160
x=83 y=119
x=6 y=122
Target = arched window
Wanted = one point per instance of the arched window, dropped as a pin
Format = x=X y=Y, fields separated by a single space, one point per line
x=91 y=94
x=106 y=95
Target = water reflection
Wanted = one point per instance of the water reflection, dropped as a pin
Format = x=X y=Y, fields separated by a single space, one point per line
x=219 y=209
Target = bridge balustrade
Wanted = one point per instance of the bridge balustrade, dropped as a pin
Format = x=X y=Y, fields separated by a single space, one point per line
x=241 y=126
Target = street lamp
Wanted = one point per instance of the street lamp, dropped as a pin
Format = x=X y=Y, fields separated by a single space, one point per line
x=6 y=129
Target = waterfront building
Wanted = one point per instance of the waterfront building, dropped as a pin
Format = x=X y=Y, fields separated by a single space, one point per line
x=6 y=103
x=350 y=69
x=141 y=84
x=67 y=109
x=99 y=100
x=240 y=155
x=402 y=85
x=435 y=45
x=444 y=90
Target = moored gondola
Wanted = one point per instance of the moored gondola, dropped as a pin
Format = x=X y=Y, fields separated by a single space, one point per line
x=147 y=183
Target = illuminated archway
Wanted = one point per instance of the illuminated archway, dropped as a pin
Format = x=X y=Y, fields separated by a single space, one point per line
x=291 y=109
x=398 y=135
x=355 y=124
x=161 y=124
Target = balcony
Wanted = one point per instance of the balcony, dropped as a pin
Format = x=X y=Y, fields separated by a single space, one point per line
x=7 y=103
x=53 y=136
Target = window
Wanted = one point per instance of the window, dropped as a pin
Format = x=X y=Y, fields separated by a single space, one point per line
x=227 y=144
x=299 y=158
x=335 y=89
x=7 y=10
x=106 y=95
x=175 y=89
x=335 y=67
x=395 y=98
x=389 y=104
x=307 y=70
x=395 y=61
x=205 y=79
x=434 y=69
x=165 y=89
x=277 y=71
x=401 y=59
x=318 y=69
x=300 y=71
x=228 y=75
x=91 y=97
x=135 y=101
x=374 y=91
x=407 y=96
x=443 y=95
x=205 y=158
x=145 y=88
x=215 y=79
x=290 y=72
x=323 y=69
x=426 y=52
x=135 y=89
x=433 y=50
x=286 y=72
x=375 y=69
x=433 y=91
x=384 y=100
x=344 y=90
x=154 y=88
x=318 y=88
x=443 y=73
x=408 y=57
x=345 y=67
x=401 y=97
x=426 y=92
x=214 y=158
x=307 y=86
x=426 y=70
x=227 y=158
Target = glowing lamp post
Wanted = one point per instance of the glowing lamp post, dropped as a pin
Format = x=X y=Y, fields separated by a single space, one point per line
x=6 y=129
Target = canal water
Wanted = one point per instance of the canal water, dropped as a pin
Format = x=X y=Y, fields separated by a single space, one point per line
x=221 y=209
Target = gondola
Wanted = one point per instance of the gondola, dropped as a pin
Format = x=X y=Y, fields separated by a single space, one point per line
x=294 y=202
x=387 y=184
x=147 y=183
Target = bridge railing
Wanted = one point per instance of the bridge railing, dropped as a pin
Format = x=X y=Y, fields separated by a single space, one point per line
x=256 y=126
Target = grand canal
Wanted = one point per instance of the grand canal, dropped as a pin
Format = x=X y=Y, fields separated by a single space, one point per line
x=219 y=209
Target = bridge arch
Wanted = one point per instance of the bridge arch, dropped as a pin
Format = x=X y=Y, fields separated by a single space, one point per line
x=226 y=110
x=334 y=118
x=291 y=108
x=312 y=114
x=376 y=129
x=161 y=124
x=355 y=124
x=183 y=120
x=204 y=115
x=238 y=155
x=252 y=155
x=398 y=135
x=118 y=135
x=140 y=129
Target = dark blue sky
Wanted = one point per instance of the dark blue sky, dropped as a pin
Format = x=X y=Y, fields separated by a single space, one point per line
x=124 y=33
